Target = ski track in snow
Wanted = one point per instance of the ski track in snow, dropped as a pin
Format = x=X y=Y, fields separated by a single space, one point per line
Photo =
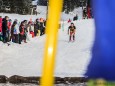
x=71 y=61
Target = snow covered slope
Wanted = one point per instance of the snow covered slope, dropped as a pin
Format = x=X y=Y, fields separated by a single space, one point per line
x=71 y=15
x=72 y=58
x=42 y=10
x=22 y=17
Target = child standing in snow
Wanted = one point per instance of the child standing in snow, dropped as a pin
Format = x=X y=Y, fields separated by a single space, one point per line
x=71 y=32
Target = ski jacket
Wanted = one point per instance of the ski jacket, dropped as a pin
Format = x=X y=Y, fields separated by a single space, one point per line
x=16 y=29
x=37 y=26
x=9 y=25
x=89 y=13
x=41 y=25
x=4 y=25
x=69 y=21
x=21 y=29
x=71 y=29
x=0 y=24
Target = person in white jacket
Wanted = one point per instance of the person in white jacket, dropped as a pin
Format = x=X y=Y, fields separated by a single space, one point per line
x=29 y=30
x=15 y=28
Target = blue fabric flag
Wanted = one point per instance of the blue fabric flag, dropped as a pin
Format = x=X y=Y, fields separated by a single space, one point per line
x=102 y=64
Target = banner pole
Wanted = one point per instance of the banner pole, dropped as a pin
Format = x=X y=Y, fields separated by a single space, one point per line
x=52 y=26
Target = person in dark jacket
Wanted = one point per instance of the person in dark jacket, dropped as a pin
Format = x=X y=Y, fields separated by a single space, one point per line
x=15 y=32
x=5 y=29
x=21 y=34
x=37 y=28
x=41 y=28
x=44 y=26
x=84 y=13
x=75 y=18
x=25 y=30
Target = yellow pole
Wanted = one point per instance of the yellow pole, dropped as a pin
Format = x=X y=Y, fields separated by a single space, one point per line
x=55 y=7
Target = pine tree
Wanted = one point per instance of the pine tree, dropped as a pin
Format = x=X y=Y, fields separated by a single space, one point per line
x=18 y=6
x=69 y=5
x=42 y=2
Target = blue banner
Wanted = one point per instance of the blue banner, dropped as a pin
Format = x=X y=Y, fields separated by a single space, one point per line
x=102 y=64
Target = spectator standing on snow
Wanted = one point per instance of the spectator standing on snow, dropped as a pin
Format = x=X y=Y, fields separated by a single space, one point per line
x=71 y=32
x=44 y=26
x=41 y=29
x=9 y=28
x=16 y=26
x=28 y=31
x=37 y=28
x=89 y=12
x=16 y=32
x=0 y=24
x=75 y=18
x=84 y=13
x=5 y=29
x=41 y=26
x=21 y=34
x=12 y=39
x=0 y=28
x=32 y=29
x=25 y=30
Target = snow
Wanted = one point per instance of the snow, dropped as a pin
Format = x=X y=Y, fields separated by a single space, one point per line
x=71 y=61
x=40 y=9
x=8 y=84
x=76 y=11
x=43 y=12
x=34 y=2
x=79 y=84
x=22 y=17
